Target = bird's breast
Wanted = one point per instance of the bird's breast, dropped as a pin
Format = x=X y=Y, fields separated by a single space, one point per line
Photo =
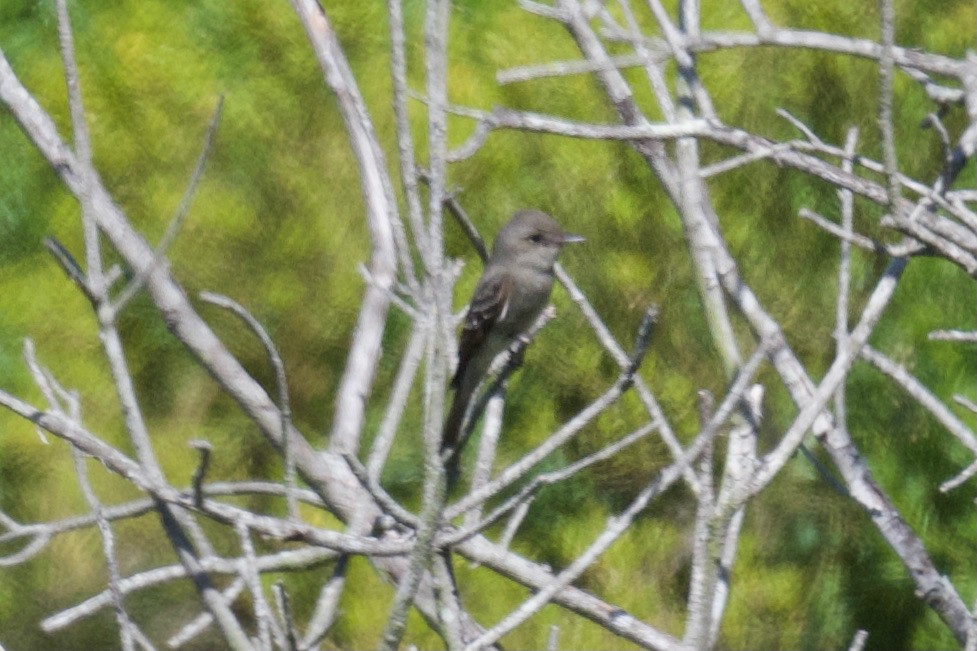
x=530 y=294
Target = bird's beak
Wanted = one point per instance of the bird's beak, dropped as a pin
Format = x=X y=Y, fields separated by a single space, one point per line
x=570 y=238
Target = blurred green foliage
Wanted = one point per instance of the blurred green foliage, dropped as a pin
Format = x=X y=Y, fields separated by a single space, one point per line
x=277 y=223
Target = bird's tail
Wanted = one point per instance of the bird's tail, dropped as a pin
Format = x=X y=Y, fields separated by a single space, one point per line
x=452 y=435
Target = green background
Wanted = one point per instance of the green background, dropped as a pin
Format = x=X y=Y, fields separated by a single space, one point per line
x=277 y=224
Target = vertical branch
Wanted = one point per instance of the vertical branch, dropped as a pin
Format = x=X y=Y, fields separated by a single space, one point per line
x=382 y=219
x=436 y=42
x=83 y=147
x=844 y=271
x=886 y=65
x=249 y=572
x=694 y=199
x=108 y=549
x=759 y=19
x=971 y=641
x=284 y=606
x=94 y=282
x=487 y=444
x=405 y=141
x=726 y=526
x=409 y=363
x=698 y=602
x=127 y=629
x=433 y=498
x=449 y=606
x=688 y=28
x=439 y=300
x=439 y=279
x=653 y=71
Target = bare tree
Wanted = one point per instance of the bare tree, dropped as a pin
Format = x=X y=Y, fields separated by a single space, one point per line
x=408 y=272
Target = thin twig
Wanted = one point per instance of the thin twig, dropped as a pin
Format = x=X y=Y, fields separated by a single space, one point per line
x=562 y=435
x=327 y=605
x=553 y=638
x=616 y=526
x=176 y=222
x=403 y=383
x=886 y=125
x=284 y=605
x=545 y=479
x=841 y=233
x=923 y=396
x=70 y=266
x=953 y=335
x=283 y=561
x=249 y=572
x=405 y=145
x=566 y=68
x=203 y=448
x=386 y=502
x=126 y=632
x=281 y=380
x=487 y=447
x=199 y=624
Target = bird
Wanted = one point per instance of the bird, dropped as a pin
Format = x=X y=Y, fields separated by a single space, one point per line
x=511 y=294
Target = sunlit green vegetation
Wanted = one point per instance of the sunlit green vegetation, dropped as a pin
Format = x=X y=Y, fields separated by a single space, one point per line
x=278 y=225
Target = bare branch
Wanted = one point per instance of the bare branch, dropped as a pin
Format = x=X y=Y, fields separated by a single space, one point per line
x=844 y=273
x=176 y=222
x=204 y=449
x=522 y=498
x=953 y=335
x=327 y=606
x=858 y=640
x=922 y=396
x=886 y=63
x=381 y=213
x=281 y=380
x=409 y=363
x=267 y=625
x=847 y=353
x=70 y=266
x=566 y=68
x=284 y=605
x=196 y=627
x=108 y=545
x=559 y=437
x=844 y=235
x=405 y=144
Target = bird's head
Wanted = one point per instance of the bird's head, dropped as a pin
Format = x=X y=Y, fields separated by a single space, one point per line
x=532 y=238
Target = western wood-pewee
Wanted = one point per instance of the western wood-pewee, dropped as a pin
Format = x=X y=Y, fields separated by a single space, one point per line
x=509 y=297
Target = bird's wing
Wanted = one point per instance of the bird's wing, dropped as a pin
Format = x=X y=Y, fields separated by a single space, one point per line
x=489 y=305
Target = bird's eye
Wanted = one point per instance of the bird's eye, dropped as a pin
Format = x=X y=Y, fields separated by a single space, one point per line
x=536 y=238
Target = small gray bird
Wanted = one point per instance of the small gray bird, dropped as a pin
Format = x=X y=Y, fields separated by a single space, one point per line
x=509 y=297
